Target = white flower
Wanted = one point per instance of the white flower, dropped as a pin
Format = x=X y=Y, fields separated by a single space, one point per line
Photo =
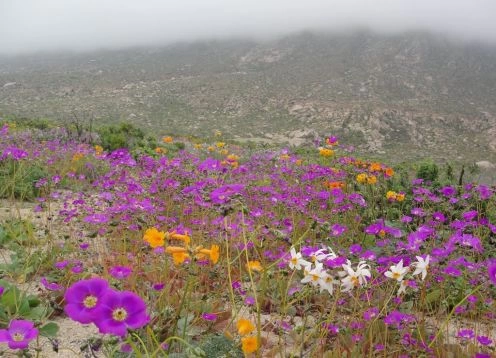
x=421 y=266
x=296 y=261
x=327 y=283
x=354 y=278
x=397 y=272
x=403 y=286
x=314 y=276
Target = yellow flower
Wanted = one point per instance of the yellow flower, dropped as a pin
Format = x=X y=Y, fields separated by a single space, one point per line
x=244 y=327
x=249 y=344
x=220 y=144
x=213 y=253
x=98 y=150
x=361 y=178
x=198 y=146
x=400 y=197
x=77 y=156
x=167 y=139
x=211 y=149
x=325 y=152
x=179 y=257
x=391 y=195
x=232 y=158
x=254 y=266
x=154 y=237
x=298 y=162
x=371 y=179
x=175 y=250
x=224 y=152
x=184 y=238
x=158 y=150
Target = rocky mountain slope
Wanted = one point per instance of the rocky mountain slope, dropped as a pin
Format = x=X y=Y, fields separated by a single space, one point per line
x=408 y=95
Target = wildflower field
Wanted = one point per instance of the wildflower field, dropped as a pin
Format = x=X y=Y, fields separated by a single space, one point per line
x=208 y=250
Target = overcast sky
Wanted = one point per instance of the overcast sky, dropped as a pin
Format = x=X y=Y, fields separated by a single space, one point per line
x=33 y=25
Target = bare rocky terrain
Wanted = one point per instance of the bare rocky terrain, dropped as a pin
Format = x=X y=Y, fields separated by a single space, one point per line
x=405 y=96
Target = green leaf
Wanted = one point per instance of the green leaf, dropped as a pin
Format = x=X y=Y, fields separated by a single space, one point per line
x=49 y=330
x=433 y=296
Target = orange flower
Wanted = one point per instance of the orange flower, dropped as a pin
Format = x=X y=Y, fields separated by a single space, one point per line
x=334 y=184
x=184 y=238
x=175 y=250
x=249 y=344
x=244 y=326
x=389 y=172
x=179 y=257
x=213 y=253
x=375 y=167
x=232 y=158
x=154 y=237
x=371 y=179
x=167 y=139
x=326 y=152
x=254 y=266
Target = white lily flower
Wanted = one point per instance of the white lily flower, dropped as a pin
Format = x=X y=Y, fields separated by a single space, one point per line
x=421 y=266
x=297 y=261
x=315 y=275
x=403 y=286
x=397 y=272
x=354 y=278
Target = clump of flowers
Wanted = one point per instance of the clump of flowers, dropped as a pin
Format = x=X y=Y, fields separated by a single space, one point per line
x=114 y=312
x=394 y=196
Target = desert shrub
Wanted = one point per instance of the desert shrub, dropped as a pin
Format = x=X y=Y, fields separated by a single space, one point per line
x=428 y=171
x=123 y=135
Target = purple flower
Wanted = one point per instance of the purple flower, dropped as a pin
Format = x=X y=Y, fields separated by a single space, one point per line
x=452 y=271
x=370 y=313
x=466 y=334
x=120 y=272
x=485 y=341
x=209 y=316
x=249 y=301
x=224 y=193
x=337 y=230
x=19 y=334
x=491 y=270
x=83 y=298
x=158 y=286
x=50 y=286
x=119 y=311
x=96 y=219
x=61 y=264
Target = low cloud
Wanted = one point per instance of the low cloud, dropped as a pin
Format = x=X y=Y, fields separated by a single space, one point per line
x=51 y=25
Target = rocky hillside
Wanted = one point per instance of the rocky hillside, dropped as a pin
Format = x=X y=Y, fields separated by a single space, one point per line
x=409 y=95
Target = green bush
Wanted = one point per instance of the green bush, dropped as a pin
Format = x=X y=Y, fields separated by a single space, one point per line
x=123 y=135
x=428 y=171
